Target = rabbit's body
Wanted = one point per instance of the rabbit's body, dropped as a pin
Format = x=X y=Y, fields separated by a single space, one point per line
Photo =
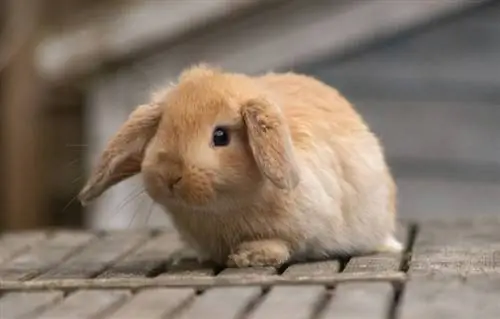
x=318 y=186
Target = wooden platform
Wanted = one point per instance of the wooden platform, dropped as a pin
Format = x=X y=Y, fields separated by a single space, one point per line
x=449 y=270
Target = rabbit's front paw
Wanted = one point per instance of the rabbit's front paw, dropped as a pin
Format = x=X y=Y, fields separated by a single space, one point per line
x=260 y=254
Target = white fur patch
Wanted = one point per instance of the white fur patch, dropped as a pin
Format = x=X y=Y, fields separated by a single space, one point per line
x=391 y=245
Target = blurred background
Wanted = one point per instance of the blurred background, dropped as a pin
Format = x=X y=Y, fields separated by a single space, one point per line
x=425 y=74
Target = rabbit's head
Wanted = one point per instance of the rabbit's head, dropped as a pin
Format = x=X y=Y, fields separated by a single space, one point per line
x=212 y=138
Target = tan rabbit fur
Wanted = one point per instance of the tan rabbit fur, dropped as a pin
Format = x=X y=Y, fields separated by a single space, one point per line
x=302 y=176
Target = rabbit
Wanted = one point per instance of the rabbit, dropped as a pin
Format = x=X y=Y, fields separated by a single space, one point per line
x=257 y=170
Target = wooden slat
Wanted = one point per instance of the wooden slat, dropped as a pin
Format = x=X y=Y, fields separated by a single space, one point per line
x=86 y=304
x=320 y=268
x=248 y=275
x=478 y=297
x=45 y=256
x=456 y=248
x=188 y=269
x=290 y=303
x=360 y=301
x=12 y=244
x=222 y=303
x=249 y=272
x=199 y=282
x=154 y=304
x=154 y=254
x=17 y=305
x=373 y=263
x=97 y=256
x=376 y=263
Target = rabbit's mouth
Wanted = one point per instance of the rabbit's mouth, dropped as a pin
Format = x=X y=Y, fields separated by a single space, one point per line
x=206 y=199
x=188 y=186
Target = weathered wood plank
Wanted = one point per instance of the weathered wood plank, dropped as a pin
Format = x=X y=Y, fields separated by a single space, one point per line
x=97 y=256
x=17 y=305
x=188 y=269
x=477 y=297
x=45 y=256
x=456 y=248
x=373 y=263
x=86 y=304
x=149 y=257
x=290 y=302
x=319 y=268
x=360 y=301
x=250 y=272
x=220 y=303
x=12 y=244
x=200 y=282
x=154 y=304
x=376 y=263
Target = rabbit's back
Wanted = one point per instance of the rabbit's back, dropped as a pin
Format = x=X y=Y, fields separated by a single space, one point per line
x=313 y=108
x=343 y=162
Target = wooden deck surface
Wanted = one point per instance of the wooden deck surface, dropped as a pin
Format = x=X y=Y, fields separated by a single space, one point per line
x=448 y=270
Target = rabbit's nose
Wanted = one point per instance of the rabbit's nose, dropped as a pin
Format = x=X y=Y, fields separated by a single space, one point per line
x=173 y=182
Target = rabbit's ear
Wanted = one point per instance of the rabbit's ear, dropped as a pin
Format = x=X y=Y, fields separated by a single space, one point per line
x=270 y=142
x=123 y=155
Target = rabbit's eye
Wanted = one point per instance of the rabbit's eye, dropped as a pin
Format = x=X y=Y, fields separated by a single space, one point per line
x=220 y=137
